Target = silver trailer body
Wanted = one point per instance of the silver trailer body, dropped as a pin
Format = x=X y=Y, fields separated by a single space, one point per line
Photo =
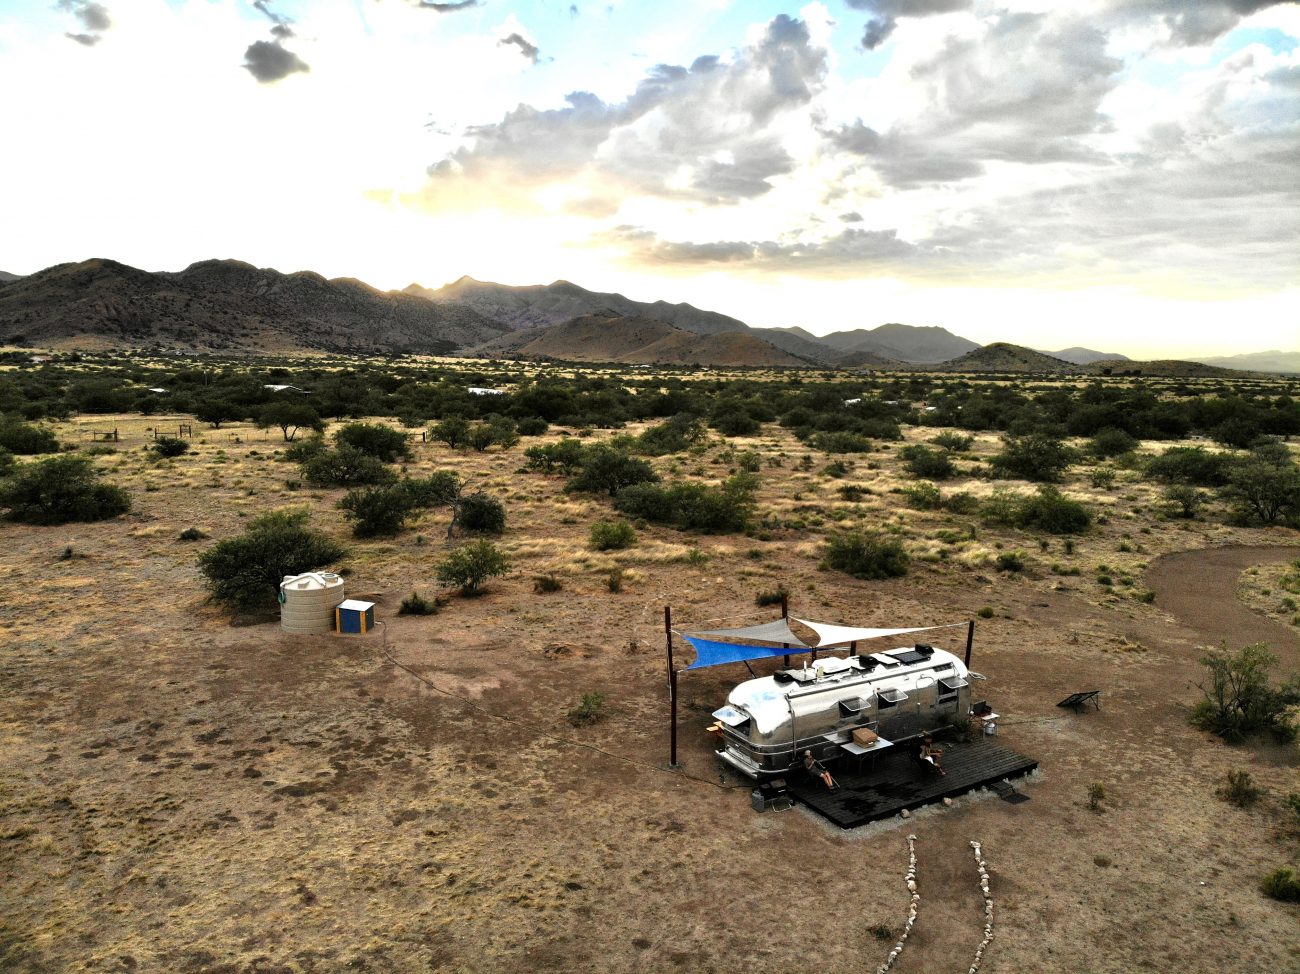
x=769 y=722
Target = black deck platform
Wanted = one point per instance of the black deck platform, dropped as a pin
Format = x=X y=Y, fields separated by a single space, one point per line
x=901 y=780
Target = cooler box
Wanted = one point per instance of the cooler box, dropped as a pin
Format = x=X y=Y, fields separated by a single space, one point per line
x=351 y=615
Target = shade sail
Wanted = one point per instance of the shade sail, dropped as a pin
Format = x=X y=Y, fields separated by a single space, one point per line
x=829 y=635
x=711 y=653
x=768 y=632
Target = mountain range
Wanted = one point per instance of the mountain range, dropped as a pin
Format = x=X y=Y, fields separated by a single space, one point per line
x=231 y=306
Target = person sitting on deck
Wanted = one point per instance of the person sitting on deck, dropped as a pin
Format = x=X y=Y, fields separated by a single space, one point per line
x=817 y=769
x=931 y=753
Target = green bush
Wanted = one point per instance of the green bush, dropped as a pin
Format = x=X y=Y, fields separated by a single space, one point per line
x=612 y=535
x=672 y=436
x=841 y=442
x=608 y=470
x=1190 y=465
x=1282 y=884
x=927 y=463
x=290 y=417
x=382 y=442
x=481 y=513
x=1239 y=789
x=532 y=426
x=60 y=490
x=866 y=555
x=564 y=456
x=170 y=446
x=588 y=711
x=1185 y=499
x=546 y=584
x=497 y=432
x=378 y=511
x=691 y=506
x=193 y=534
x=346 y=466
x=1111 y=442
x=1011 y=561
x=470 y=565
x=245 y=572
x=1238 y=698
x=772 y=596
x=1038 y=457
x=953 y=442
x=1049 y=511
x=300 y=451
x=454 y=431
x=24 y=439
x=923 y=497
x=440 y=488
x=416 y=605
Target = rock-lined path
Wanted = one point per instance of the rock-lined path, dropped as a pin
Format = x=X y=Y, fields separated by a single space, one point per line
x=1199 y=588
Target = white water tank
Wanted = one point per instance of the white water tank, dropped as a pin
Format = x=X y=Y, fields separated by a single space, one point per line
x=307 y=601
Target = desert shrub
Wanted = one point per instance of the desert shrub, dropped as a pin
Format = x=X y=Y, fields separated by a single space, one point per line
x=1096 y=795
x=436 y=490
x=470 y=565
x=1038 y=457
x=7 y=462
x=1185 y=499
x=749 y=462
x=866 y=555
x=300 y=451
x=1111 y=442
x=378 y=511
x=546 y=584
x=985 y=612
x=481 y=513
x=381 y=442
x=691 y=506
x=841 y=442
x=60 y=490
x=24 y=439
x=1264 y=490
x=923 y=497
x=1010 y=561
x=608 y=470
x=837 y=469
x=564 y=456
x=589 y=710
x=612 y=535
x=672 y=436
x=614 y=581
x=416 y=605
x=1282 y=884
x=1103 y=478
x=961 y=502
x=772 y=596
x=245 y=572
x=290 y=417
x=454 y=431
x=953 y=442
x=1190 y=465
x=532 y=426
x=930 y=464
x=192 y=534
x=1000 y=507
x=498 y=431
x=170 y=446
x=1048 y=510
x=1239 y=789
x=731 y=418
x=346 y=466
x=852 y=492
x=1238 y=698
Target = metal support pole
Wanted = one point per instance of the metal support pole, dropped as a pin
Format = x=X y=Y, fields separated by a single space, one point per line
x=668 y=635
x=785 y=614
x=970 y=640
x=672 y=736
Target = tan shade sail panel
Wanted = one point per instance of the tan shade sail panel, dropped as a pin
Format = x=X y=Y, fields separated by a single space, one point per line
x=768 y=632
x=831 y=635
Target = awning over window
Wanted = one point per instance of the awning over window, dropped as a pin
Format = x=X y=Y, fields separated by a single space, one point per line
x=730 y=716
x=953 y=683
x=893 y=696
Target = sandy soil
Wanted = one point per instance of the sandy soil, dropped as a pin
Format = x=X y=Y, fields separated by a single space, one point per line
x=180 y=794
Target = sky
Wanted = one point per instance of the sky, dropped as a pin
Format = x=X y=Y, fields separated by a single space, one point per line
x=1118 y=174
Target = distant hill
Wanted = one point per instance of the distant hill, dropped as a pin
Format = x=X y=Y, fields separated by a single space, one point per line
x=1258 y=361
x=636 y=340
x=1162 y=368
x=543 y=305
x=6 y=277
x=226 y=305
x=907 y=343
x=1004 y=357
x=870 y=360
x=1084 y=356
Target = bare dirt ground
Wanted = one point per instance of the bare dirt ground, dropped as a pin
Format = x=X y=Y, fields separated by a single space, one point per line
x=180 y=794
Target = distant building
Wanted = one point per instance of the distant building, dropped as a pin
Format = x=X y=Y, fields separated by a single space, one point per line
x=286 y=389
x=480 y=391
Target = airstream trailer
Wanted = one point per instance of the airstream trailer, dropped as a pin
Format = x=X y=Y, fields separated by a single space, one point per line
x=901 y=693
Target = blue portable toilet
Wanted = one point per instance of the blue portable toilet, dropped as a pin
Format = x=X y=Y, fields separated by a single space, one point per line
x=351 y=615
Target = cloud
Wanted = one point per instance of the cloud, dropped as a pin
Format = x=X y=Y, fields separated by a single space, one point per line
x=94 y=18
x=268 y=61
x=448 y=8
x=863 y=250
x=526 y=48
x=1190 y=22
x=271 y=61
x=710 y=131
x=1027 y=89
x=885 y=14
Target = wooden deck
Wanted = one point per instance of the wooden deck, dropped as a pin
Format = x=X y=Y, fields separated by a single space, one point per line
x=901 y=780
